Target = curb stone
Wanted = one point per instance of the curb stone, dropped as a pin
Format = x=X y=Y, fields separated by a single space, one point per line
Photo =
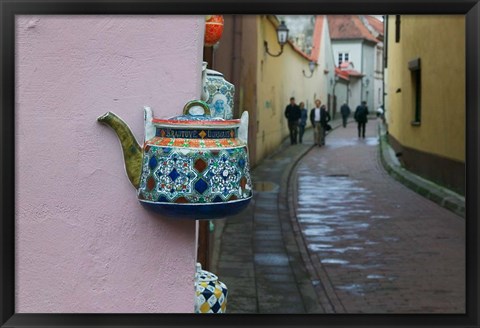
x=438 y=194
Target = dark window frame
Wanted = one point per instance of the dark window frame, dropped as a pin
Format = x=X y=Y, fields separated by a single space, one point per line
x=416 y=73
x=397 y=28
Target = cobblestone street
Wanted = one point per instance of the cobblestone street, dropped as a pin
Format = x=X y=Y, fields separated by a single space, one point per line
x=381 y=247
x=336 y=234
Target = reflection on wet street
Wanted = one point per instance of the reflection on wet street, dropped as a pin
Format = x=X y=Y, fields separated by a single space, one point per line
x=376 y=241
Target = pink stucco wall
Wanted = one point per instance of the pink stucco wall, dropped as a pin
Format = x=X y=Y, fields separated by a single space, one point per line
x=83 y=242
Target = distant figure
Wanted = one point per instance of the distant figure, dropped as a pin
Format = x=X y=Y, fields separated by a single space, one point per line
x=345 y=111
x=360 y=116
x=324 y=119
x=302 y=122
x=381 y=113
x=292 y=113
x=319 y=118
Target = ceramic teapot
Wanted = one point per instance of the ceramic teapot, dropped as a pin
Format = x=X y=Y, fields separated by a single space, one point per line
x=218 y=93
x=211 y=293
x=190 y=166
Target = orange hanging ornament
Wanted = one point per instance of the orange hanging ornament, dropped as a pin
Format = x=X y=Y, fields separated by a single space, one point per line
x=213 y=29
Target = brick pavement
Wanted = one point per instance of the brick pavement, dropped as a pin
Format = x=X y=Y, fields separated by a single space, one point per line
x=377 y=246
x=258 y=258
x=385 y=249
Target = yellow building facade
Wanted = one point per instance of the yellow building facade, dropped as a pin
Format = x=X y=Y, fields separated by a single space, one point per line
x=425 y=102
x=280 y=78
x=264 y=84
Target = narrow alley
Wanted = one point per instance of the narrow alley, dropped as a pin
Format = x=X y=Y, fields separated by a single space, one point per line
x=331 y=232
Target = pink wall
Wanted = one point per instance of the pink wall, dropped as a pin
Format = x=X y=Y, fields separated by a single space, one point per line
x=83 y=242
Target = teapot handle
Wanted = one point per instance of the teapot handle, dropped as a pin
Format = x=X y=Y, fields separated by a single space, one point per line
x=196 y=103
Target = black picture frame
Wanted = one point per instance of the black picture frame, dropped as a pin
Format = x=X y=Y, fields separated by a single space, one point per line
x=10 y=8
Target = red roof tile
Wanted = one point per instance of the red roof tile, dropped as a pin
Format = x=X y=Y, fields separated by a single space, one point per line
x=375 y=23
x=341 y=74
x=317 y=37
x=348 y=27
x=346 y=73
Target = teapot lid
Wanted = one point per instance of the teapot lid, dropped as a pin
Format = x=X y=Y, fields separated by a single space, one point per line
x=196 y=112
x=204 y=275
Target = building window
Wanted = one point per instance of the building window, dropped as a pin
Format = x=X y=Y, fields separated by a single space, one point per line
x=379 y=61
x=416 y=78
x=342 y=57
x=397 y=28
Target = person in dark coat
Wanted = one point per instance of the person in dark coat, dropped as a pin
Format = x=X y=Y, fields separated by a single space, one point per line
x=345 y=111
x=303 y=121
x=361 y=116
x=324 y=119
x=292 y=113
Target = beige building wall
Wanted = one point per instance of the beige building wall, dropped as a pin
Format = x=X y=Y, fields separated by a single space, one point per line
x=280 y=78
x=264 y=84
x=236 y=58
x=439 y=42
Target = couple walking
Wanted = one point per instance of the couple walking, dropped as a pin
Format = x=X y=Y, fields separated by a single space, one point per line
x=360 y=116
x=297 y=120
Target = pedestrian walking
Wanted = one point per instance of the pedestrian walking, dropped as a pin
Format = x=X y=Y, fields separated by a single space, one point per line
x=319 y=117
x=292 y=113
x=345 y=111
x=324 y=119
x=361 y=113
x=381 y=113
x=303 y=121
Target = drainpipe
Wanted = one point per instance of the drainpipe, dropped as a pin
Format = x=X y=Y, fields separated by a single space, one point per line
x=385 y=58
x=235 y=63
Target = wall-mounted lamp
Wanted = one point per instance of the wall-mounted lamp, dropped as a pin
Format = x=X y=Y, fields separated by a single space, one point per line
x=366 y=82
x=311 y=67
x=282 y=38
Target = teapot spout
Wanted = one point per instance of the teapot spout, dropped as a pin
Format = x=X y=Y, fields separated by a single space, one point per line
x=132 y=152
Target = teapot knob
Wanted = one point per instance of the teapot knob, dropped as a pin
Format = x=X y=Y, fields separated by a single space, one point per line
x=196 y=108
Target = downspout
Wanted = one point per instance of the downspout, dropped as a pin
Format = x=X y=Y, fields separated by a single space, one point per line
x=235 y=65
x=385 y=59
x=348 y=92
x=361 y=70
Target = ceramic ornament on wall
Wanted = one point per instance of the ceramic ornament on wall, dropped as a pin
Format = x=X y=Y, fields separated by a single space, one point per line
x=191 y=166
x=213 y=29
x=211 y=294
x=218 y=93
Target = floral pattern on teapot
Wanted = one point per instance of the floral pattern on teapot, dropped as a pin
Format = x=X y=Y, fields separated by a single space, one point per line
x=191 y=166
x=218 y=93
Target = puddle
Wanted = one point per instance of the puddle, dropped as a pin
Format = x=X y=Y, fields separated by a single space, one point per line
x=317 y=230
x=372 y=141
x=353 y=288
x=334 y=261
x=380 y=217
x=364 y=266
x=276 y=259
x=343 y=250
x=375 y=276
x=391 y=239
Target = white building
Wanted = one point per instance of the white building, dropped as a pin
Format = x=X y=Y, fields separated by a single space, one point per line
x=357 y=42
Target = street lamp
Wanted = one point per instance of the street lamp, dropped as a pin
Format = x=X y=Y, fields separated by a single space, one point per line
x=282 y=38
x=311 y=67
x=367 y=82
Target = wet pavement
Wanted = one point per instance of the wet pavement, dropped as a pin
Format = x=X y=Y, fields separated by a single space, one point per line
x=329 y=231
